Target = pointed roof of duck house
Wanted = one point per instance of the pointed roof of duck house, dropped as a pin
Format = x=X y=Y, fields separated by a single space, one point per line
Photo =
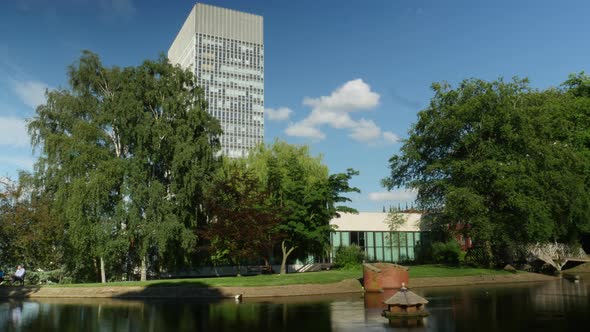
x=405 y=297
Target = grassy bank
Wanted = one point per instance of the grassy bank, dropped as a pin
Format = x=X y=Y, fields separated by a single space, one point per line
x=442 y=271
x=324 y=277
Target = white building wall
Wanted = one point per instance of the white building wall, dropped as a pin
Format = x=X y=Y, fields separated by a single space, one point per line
x=183 y=48
x=374 y=222
x=228 y=23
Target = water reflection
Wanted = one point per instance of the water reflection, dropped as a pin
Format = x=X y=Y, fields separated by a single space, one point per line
x=50 y=315
x=553 y=306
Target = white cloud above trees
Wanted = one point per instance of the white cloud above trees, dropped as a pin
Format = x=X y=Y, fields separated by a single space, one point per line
x=394 y=195
x=279 y=114
x=13 y=132
x=353 y=96
x=32 y=93
x=335 y=111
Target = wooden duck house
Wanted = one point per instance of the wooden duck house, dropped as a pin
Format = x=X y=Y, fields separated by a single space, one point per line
x=405 y=303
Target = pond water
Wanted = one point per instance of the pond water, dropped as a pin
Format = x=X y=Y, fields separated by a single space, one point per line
x=549 y=306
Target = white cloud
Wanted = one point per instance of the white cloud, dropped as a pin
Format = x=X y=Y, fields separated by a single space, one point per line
x=396 y=195
x=32 y=93
x=365 y=131
x=390 y=137
x=301 y=130
x=334 y=111
x=13 y=132
x=333 y=119
x=279 y=114
x=352 y=96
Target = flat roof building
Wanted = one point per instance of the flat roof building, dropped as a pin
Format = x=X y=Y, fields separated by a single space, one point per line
x=225 y=50
x=371 y=231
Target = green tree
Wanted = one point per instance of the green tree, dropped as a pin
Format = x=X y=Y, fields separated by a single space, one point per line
x=243 y=219
x=125 y=154
x=306 y=195
x=28 y=233
x=502 y=158
x=395 y=220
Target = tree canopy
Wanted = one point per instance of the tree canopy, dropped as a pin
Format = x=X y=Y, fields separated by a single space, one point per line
x=243 y=221
x=129 y=176
x=29 y=234
x=307 y=196
x=125 y=153
x=508 y=160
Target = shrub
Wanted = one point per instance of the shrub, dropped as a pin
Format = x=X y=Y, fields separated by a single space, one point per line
x=349 y=257
x=479 y=256
x=423 y=254
x=447 y=252
x=44 y=277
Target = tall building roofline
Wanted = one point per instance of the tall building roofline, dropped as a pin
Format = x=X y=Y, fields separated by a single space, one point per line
x=225 y=8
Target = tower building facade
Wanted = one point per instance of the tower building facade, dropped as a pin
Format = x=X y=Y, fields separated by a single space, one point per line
x=225 y=50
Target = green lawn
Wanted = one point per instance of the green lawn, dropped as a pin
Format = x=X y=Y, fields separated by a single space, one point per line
x=324 y=277
x=426 y=271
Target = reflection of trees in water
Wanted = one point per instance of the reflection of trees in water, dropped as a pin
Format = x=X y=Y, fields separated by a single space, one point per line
x=15 y=314
x=550 y=306
x=559 y=305
x=561 y=296
x=270 y=317
x=165 y=316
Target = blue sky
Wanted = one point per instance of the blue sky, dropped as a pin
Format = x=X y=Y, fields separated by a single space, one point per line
x=345 y=77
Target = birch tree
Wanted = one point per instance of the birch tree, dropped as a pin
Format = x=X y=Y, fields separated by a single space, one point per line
x=125 y=152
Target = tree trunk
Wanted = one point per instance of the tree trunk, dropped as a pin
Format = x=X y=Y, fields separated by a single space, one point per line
x=489 y=255
x=96 y=267
x=286 y=254
x=143 y=268
x=103 y=277
x=267 y=265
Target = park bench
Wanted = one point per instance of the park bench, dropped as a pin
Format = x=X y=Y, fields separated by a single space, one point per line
x=8 y=279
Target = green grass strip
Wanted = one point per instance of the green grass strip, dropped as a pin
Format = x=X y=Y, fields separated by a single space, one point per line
x=324 y=277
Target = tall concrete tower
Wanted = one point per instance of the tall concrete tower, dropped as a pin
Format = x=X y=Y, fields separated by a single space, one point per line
x=225 y=50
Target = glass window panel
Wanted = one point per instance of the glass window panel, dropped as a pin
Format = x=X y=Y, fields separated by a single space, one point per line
x=411 y=254
x=395 y=239
x=378 y=239
x=410 y=239
x=388 y=257
x=371 y=253
x=370 y=242
x=395 y=254
x=354 y=238
x=362 y=239
x=417 y=238
x=403 y=253
x=345 y=239
x=402 y=239
x=379 y=254
x=336 y=240
x=387 y=239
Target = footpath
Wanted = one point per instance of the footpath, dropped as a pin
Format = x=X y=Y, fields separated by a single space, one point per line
x=199 y=292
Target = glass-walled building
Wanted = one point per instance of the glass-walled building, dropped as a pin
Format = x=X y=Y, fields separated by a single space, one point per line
x=372 y=233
